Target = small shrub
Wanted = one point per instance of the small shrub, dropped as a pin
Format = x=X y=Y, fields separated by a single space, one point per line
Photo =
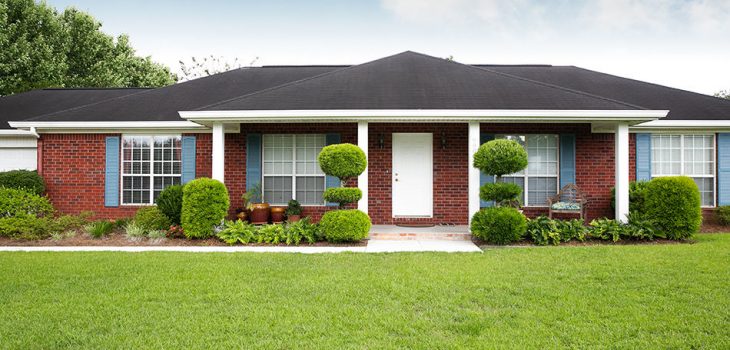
x=151 y=218
x=302 y=229
x=342 y=195
x=294 y=208
x=502 y=193
x=343 y=160
x=345 y=225
x=205 y=205
x=237 y=232
x=27 y=227
x=22 y=203
x=273 y=233
x=98 y=229
x=175 y=231
x=72 y=222
x=641 y=226
x=499 y=225
x=500 y=157
x=157 y=234
x=169 y=202
x=23 y=179
x=723 y=214
x=134 y=231
x=543 y=231
x=637 y=192
x=674 y=204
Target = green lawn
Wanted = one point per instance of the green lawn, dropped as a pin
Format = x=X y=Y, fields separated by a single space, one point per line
x=638 y=296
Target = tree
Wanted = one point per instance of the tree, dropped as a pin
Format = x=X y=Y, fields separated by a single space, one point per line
x=723 y=94
x=203 y=67
x=41 y=48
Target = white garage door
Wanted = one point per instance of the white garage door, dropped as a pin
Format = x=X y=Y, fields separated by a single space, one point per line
x=17 y=158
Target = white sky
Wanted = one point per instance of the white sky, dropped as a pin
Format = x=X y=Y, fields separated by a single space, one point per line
x=679 y=43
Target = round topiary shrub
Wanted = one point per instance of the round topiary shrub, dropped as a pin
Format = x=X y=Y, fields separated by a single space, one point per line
x=501 y=192
x=673 y=204
x=499 y=225
x=500 y=157
x=342 y=195
x=170 y=203
x=21 y=203
x=205 y=205
x=723 y=215
x=151 y=218
x=23 y=179
x=342 y=161
x=345 y=225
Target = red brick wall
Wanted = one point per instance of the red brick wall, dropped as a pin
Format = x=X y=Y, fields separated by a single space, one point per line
x=450 y=180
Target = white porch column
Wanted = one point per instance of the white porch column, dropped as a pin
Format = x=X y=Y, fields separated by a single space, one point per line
x=622 y=171
x=219 y=149
x=473 y=172
x=362 y=180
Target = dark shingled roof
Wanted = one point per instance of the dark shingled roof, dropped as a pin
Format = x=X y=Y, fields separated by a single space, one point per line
x=682 y=105
x=163 y=104
x=35 y=103
x=411 y=80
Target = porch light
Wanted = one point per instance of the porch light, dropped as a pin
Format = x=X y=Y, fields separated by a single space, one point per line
x=381 y=141
x=443 y=139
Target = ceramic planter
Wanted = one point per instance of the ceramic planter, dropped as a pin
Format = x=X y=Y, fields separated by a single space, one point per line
x=260 y=213
x=277 y=215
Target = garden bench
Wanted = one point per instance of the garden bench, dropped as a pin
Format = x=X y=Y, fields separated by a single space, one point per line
x=570 y=200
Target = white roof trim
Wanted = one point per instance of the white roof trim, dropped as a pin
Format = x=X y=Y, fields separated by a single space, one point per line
x=183 y=124
x=422 y=115
x=17 y=133
x=702 y=124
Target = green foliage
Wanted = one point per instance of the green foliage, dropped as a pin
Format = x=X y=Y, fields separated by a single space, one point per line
x=637 y=192
x=342 y=195
x=23 y=179
x=639 y=227
x=169 y=202
x=723 y=214
x=205 y=205
x=21 y=203
x=27 y=227
x=302 y=229
x=723 y=94
x=294 y=208
x=605 y=229
x=156 y=234
x=673 y=203
x=151 y=218
x=345 y=225
x=342 y=161
x=500 y=157
x=98 y=229
x=502 y=193
x=543 y=230
x=40 y=48
x=134 y=230
x=237 y=232
x=272 y=233
x=499 y=225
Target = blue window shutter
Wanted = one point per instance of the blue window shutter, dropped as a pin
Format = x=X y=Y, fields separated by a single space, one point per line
x=253 y=161
x=723 y=169
x=643 y=157
x=331 y=181
x=111 y=175
x=484 y=178
x=188 y=159
x=567 y=159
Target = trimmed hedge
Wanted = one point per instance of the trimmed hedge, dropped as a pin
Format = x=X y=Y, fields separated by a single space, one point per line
x=342 y=195
x=500 y=192
x=342 y=161
x=499 y=225
x=23 y=179
x=152 y=218
x=345 y=225
x=500 y=157
x=673 y=203
x=723 y=214
x=170 y=203
x=637 y=191
x=20 y=203
x=205 y=205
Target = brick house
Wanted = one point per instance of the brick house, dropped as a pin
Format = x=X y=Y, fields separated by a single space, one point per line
x=418 y=118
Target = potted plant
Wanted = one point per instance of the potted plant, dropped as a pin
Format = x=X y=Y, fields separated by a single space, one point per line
x=277 y=215
x=293 y=211
x=243 y=213
x=259 y=209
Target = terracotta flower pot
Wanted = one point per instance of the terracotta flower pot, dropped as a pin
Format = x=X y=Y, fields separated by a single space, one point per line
x=277 y=215
x=260 y=213
x=293 y=218
x=242 y=214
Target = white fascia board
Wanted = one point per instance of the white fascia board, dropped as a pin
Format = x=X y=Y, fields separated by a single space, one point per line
x=16 y=133
x=683 y=124
x=82 y=127
x=456 y=115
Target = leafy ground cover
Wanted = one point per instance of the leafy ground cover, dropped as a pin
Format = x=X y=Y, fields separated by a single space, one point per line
x=612 y=296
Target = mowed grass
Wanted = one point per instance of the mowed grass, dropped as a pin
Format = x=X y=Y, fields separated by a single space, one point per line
x=636 y=296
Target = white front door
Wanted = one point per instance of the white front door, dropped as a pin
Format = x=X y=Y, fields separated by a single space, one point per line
x=412 y=175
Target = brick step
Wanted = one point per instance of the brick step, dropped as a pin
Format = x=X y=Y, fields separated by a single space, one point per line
x=406 y=236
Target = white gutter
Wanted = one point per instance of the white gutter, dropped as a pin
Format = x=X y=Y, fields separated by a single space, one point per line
x=684 y=124
x=16 y=133
x=183 y=124
x=460 y=115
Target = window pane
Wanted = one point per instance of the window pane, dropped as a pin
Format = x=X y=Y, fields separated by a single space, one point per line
x=707 y=190
x=277 y=189
x=666 y=154
x=310 y=189
x=136 y=190
x=540 y=189
x=308 y=148
x=145 y=155
x=278 y=156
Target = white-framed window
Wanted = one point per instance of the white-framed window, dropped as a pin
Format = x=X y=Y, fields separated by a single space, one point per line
x=149 y=164
x=291 y=170
x=689 y=155
x=539 y=180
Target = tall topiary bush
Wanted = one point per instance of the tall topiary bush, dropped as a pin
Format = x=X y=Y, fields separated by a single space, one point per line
x=205 y=205
x=23 y=179
x=673 y=204
x=343 y=161
x=498 y=158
